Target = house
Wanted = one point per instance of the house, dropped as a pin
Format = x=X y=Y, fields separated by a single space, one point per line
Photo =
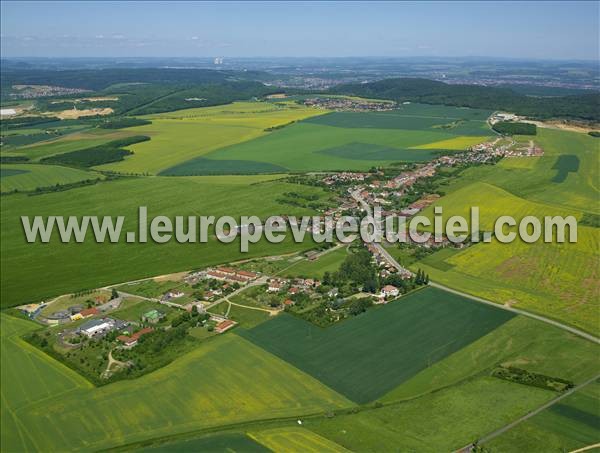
x=275 y=285
x=131 y=341
x=173 y=295
x=224 y=326
x=89 y=312
x=76 y=317
x=288 y=302
x=153 y=316
x=293 y=290
x=333 y=292
x=389 y=291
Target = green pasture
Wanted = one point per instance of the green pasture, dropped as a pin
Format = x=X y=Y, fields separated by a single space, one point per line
x=27 y=177
x=186 y=134
x=64 y=268
x=223 y=381
x=230 y=443
x=570 y=424
x=328 y=262
x=292 y=440
x=446 y=420
x=366 y=356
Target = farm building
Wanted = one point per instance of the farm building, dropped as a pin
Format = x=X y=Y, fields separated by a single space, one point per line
x=131 y=341
x=153 y=316
x=100 y=327
x=224 y=326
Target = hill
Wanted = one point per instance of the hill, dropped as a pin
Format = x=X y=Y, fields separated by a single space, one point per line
x=583 y=106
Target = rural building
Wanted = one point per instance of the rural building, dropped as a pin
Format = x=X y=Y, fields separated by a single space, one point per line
x=131 y=341
x=389 y=291
x=89 y=312
x=153 y=316
x=224 y=326
x=100 y=327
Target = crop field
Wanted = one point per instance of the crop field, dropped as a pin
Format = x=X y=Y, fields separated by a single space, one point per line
x=69 y=143
x=329 y=262
x=63 y=268
x=198 y=390
x=290 y=440
x=230 y=442
x=366 y=356
x=180 y=136
x=348 y=141
x=25 y=177
x=559 y=280
x=571 y=424
x=521 y=342
x=446 y=420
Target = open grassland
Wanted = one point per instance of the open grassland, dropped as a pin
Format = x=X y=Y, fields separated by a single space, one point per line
x=69 y=143
x=226 y=380
x=571 y=424
x=559 y=280
x=63 y=268
x=292 y=440
x=230 y=443
x=26 y=177
x=368 y=355
x=180 y=136
x=348 y=141
x=327 y=262
x=521 y=342
x=441 y=421
x=534 y=178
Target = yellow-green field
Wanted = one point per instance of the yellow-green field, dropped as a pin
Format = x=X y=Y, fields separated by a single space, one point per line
x=47 y=407
x=26 y=177
x=293 y=440
x=457 y=143
x=185 y=134
x=558 y=280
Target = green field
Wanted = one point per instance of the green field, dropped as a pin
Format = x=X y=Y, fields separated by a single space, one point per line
x=571 y=424
x=231 y=443
x=558 y=280
x=328 y=262
x=47 y=407
x=26 y=177
x=186 y=134
x=63 y=268
x=349 y=141
x=366 y=356
x=291 y=440
x=441 y=421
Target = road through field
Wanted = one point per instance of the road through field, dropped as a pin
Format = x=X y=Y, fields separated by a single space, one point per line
x=393 y=262
x=550 y=403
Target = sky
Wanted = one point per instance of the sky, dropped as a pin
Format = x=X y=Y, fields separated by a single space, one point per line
x=531 y=30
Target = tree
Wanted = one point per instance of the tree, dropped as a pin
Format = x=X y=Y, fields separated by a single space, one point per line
x=114 y=294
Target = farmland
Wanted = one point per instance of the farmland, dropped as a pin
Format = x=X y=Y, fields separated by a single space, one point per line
x=63 y=268
x=353 y=141
x=197 y=390
x=186 y=134
x=366 y=356
x=289 y=440
x=560 y=280
x=27 y=177
x=570 y=424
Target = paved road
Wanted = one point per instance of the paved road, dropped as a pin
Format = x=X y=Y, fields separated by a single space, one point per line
x=390 y=258
x=550 y=403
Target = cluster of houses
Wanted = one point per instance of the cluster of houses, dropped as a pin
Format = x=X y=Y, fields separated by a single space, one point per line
x=231 y=275
x=350 y=105
x=344 y=178
x=291 y=286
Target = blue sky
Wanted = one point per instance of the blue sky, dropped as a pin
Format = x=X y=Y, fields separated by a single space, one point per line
x=541 y=30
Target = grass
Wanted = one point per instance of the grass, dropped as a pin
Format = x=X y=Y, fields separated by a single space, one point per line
x=366 y=151
x=521 y=342
x=226 y=380
x=303 y=147
x=568 y=425
x=290 y=440
x=183 y=135
x=442 y=421
x=559 y=280
x=246 y=317
x=366 y=356
x=329 y=262
x=63 y=268
x=231 y=442
x=28 y=177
